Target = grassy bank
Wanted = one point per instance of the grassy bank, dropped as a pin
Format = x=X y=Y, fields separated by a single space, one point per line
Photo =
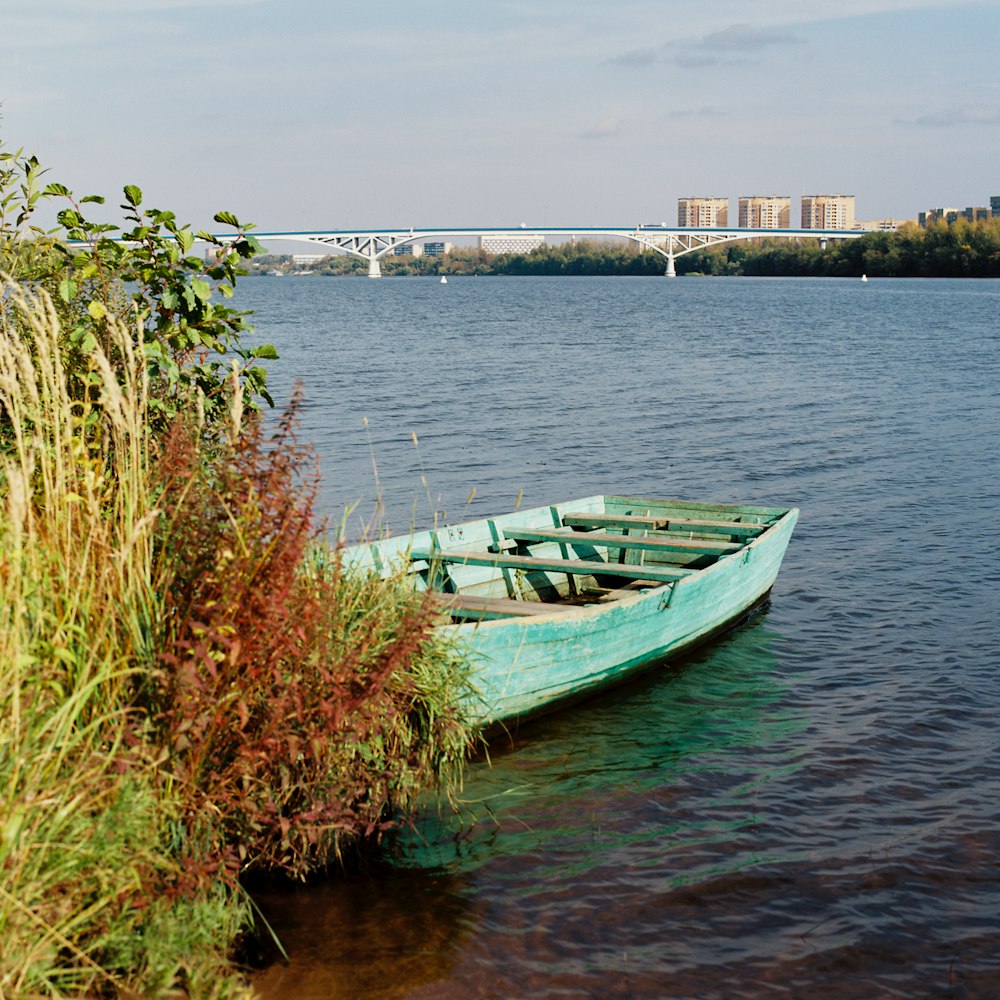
x=191 y=687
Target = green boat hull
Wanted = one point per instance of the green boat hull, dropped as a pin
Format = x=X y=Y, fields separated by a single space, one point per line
x=686 y=572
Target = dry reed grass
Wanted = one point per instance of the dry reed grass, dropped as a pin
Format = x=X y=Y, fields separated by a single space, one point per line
x=85 y=826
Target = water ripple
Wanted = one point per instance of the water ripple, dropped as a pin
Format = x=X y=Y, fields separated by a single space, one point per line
x=809 y=806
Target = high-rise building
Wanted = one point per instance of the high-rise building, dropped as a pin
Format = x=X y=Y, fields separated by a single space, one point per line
x=828 y=211
x=701 y=213
x=765 y=212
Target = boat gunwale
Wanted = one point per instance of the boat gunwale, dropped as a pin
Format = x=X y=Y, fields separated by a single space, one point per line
x=656 y=589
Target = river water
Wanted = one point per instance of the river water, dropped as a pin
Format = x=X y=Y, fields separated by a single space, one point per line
x=810 y=806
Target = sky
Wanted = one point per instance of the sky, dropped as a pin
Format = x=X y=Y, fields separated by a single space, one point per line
x=321 y=114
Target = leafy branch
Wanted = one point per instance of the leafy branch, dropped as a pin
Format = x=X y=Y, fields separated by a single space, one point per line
x=145 y=271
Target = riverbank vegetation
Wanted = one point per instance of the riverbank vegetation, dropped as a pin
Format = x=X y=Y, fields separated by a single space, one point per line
x=192 y=688
x=960 y=249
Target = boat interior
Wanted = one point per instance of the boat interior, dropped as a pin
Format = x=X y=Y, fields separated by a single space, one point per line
x=586 y=557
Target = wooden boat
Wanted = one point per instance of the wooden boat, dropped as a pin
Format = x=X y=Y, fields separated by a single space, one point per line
x=555 y=602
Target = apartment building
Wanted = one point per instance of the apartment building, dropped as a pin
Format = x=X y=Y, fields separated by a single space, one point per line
x=765 y=212
x=828 y=211
x=699 y=213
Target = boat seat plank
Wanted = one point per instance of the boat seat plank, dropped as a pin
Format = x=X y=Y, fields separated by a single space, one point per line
x=602 y=540
x=471 y=606
x=662 y=523
x=555 y=565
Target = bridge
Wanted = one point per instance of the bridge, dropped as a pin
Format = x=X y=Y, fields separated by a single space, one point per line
x=669 y=242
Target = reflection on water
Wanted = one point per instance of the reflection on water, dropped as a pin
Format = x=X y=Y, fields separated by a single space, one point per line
x=603 y=776
x=379 y=934
x=809 y=807
x=571 y=811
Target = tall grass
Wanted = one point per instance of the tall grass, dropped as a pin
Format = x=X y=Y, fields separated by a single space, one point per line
x=85 y=828
x=190 y=686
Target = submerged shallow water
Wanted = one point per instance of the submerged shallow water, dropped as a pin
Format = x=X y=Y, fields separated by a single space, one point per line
x=810 y=804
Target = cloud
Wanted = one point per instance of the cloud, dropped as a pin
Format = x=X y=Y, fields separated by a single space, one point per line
x=966 y=114
x=704 y=112
x=637 y=57
x=606 y=128
x=727 y=46
x=747 y=38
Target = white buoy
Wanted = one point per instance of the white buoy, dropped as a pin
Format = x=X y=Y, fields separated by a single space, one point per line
x=864 y=277
x=444 y=280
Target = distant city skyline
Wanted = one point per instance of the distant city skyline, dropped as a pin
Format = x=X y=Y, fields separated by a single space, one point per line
x=330 y=116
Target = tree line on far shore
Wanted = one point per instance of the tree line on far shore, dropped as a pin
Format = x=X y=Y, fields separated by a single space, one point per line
x=943 y=250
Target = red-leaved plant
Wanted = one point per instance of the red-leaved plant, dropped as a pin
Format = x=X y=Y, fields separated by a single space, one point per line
x=297 y=702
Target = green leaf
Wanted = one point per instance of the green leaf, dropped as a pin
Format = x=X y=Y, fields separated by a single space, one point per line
x=98 y=199
x=247 y=247
x=96 y=310
x=57 y=190
x=265 y=351
x=227 y=219
x=67 y=289
x=133 y=195
x=202 y=289
x=69 y=218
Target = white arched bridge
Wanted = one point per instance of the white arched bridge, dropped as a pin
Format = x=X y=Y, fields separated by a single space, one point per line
x=671 y=243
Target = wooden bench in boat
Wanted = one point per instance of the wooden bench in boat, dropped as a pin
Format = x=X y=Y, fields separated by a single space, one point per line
x=577 y=567
x=606 y=541
x=471 y=606
x=659 y=522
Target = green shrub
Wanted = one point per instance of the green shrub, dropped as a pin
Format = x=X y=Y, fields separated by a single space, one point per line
x=143 y=274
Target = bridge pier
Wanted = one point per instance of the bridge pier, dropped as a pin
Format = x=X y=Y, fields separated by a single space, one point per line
x=671 y=271
x=374 y=268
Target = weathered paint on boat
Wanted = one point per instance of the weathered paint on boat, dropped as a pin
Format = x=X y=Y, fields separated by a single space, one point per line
x=570 y=599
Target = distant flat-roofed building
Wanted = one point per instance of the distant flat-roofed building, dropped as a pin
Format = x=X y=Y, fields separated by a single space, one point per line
x=702 y=213
x=437 y=249
x=886 y=225
x=976 y=213
x=938 y=215
x=765 y=212
x=828 y=211
x=511 y=242
x=995 y=206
